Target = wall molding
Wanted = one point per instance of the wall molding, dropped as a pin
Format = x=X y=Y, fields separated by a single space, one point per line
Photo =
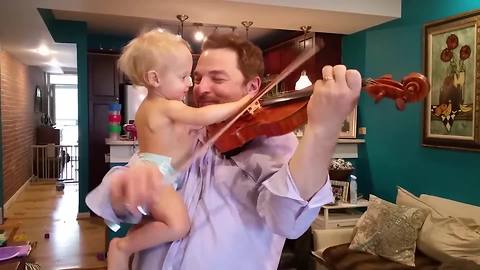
x=83 y=215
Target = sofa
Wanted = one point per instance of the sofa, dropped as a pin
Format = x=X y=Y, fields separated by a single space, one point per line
x=448 y=238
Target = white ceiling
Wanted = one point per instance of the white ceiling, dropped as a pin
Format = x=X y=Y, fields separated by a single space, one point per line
x=22 y=30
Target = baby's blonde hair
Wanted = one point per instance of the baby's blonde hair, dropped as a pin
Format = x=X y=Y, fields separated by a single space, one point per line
x=148 y=51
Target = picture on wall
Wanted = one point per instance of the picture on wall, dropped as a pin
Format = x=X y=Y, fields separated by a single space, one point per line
x=450 y=116
x=349 y=127
x=37 y=99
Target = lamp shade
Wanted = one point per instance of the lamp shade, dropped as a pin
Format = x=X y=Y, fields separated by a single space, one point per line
x=303 y=81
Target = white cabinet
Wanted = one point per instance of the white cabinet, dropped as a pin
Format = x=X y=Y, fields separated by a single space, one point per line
x=120 y=151
x=340 y=215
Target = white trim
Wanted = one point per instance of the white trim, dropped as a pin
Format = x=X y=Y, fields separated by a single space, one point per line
x=83 y=215
x=15 y=196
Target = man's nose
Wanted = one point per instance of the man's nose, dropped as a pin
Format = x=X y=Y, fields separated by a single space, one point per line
x=201 y=86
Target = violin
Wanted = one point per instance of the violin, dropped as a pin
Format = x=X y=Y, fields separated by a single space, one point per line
x=288 y=111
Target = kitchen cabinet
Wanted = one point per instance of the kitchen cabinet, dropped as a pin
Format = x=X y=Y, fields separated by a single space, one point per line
x=281 y=55
x=104 y=80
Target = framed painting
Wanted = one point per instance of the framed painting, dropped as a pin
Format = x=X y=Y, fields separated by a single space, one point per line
x=451 y=115
x=349 y=127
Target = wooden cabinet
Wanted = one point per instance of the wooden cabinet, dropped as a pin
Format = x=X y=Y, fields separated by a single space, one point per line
x=103 y=75
x=104 y=80
x=46 y=135
x=280 y=56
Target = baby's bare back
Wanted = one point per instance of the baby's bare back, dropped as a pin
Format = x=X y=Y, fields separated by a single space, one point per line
x=160 y=135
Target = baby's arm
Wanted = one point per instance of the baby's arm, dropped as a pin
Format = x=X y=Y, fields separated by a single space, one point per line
x=204 y=116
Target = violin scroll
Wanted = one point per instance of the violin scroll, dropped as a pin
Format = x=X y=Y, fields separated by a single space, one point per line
x=412 y=88
x=416 y=86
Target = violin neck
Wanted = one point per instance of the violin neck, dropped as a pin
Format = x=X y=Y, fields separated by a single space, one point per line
x=366 y=82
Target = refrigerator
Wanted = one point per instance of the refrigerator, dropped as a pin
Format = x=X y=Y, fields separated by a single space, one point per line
x=133 y=97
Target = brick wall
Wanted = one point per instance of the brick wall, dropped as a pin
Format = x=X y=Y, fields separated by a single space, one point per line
x=19 y=121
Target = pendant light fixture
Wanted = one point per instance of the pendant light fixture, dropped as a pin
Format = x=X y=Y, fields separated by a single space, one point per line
x=303 y=81
x=199 y=35
x=182 y=18
x=247 y=25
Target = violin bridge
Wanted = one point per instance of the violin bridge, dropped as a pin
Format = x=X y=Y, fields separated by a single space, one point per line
x=253 y=107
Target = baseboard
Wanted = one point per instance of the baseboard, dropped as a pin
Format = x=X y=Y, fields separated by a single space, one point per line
x=83 y=215
x=15 y=196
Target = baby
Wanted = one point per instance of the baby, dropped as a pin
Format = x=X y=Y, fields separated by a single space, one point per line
x=162 y=62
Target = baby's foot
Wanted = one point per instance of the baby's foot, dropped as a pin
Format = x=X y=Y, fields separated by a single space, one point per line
x=117 y=257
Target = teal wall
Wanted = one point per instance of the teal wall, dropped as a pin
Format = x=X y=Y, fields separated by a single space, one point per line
x=393 y=154
x=76 y=33
x=1 y=146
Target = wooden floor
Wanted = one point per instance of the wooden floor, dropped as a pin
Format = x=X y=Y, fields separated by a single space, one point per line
x=73 y=244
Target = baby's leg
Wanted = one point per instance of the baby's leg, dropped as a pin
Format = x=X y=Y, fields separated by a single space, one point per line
x=117 y=257
x=170 y=222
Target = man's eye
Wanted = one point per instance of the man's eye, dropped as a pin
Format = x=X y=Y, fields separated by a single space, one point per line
x=218 y=80
x=196 y=79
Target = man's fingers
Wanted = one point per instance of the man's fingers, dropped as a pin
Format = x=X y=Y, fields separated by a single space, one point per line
x=116 y=190
x=132 y=184
x=339 y=73
x=327 y=73
x=354 y=79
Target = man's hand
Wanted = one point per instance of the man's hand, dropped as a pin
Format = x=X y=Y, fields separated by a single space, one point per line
x=134 y=186
x=333 y=98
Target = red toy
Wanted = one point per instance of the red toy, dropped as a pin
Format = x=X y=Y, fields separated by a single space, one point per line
x=131 y=129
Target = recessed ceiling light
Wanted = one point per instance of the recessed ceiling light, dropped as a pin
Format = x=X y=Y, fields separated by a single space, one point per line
x=43 y=50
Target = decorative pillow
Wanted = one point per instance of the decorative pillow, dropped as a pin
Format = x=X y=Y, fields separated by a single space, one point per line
x=389 y=231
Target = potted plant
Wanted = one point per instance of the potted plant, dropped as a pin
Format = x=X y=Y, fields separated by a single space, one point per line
x=340 y=169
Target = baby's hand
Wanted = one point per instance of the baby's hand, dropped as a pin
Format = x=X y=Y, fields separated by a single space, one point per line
x=247 y=98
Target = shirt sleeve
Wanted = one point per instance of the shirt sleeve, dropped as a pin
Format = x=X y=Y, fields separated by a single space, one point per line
x=284 y=211
x=279 y=202
x=98 y=200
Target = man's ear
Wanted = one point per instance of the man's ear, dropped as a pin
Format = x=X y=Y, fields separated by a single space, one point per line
x=253 y=86
x=152 y=78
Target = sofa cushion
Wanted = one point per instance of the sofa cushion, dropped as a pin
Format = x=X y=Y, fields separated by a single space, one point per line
x=445 y=234
x=450 y=208
x=446 y=237
x=388 y=230
x=404 y=197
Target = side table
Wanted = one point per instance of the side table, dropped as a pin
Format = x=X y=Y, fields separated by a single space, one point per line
x=339 y=215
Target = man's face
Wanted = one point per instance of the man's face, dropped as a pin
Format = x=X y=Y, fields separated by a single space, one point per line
x=217 y=78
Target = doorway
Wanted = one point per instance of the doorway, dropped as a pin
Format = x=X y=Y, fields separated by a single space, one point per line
x=63 y=109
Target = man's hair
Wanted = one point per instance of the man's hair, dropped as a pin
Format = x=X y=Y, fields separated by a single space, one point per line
x=148 y=51
x=250 y=57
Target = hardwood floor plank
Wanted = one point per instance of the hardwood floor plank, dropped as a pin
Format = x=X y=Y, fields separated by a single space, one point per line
x=42 y=211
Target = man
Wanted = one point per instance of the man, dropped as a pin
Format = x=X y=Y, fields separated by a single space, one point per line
x=242 y=206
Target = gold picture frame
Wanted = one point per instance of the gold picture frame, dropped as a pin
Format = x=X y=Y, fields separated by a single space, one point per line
x=451 y=116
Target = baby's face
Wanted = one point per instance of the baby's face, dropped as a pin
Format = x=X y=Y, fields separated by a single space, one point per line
x=175 y=80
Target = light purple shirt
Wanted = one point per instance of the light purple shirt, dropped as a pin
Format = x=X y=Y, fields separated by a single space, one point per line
x=241 y=209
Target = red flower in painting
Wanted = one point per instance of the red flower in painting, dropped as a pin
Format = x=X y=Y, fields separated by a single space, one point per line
x=452 y=41
x=446 y=55
x=465 y=52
